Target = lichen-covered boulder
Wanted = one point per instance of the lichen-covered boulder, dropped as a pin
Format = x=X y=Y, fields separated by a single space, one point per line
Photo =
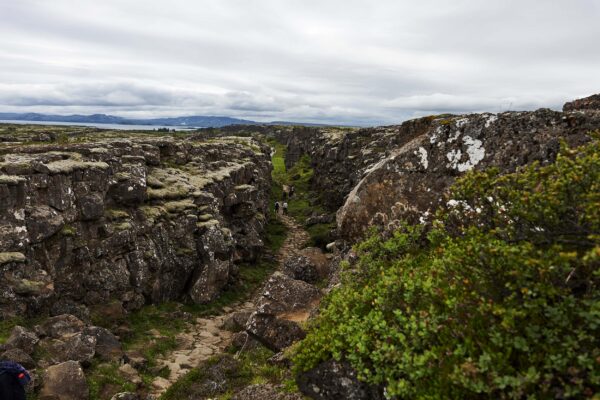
x=273 y=332
x=19 y=356
x=301 y=268
x=284 y=294
x=265 y=391
x=65 y=381
x=60 y=326
x=334 y=380
x=107 y=346
x=22 y=338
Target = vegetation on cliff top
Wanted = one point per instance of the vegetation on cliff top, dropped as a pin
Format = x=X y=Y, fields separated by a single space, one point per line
x=500 y=298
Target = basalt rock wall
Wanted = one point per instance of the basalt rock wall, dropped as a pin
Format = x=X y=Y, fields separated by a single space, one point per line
x=136 y=221
x=377 y=176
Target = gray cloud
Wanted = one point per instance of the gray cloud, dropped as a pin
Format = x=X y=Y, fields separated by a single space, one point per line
x=352 y=61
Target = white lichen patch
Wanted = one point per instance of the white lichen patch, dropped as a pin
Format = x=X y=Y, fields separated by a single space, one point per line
x=435 y=136
x=454 y=157
x=20 y=214
x=491 y=118
x=475 y=151
x=422 y=153
x=461 y=122
x=454 y=136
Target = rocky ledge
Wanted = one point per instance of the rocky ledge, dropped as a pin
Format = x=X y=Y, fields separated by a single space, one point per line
x=377 y=176
x=126 y=222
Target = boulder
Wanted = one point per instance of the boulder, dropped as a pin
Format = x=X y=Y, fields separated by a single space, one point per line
x=125 y=396
x=20 y=356
x=243 y=340
x=301 y=268
x=77 y=347
x=22 y=338
x=334 y=380
x=265 y=391
x=236 y=322
x=108 y=347
x=59 y=326
x=130 y=374
x=282 y=294
x=65 y=381
x=274 y=333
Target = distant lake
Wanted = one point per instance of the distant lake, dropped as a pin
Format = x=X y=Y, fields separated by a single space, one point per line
x=98 y=125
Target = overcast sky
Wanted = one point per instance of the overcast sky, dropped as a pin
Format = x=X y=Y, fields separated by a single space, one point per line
x=348 y=61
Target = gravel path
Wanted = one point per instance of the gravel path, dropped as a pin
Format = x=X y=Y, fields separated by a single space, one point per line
x=206 y=336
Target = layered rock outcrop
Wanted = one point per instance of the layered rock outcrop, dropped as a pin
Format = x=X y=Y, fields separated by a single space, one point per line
x=137 y=220
x=377 y=176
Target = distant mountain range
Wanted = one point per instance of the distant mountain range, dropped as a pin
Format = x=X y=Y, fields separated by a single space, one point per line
x=193 y=121
x=196 y=121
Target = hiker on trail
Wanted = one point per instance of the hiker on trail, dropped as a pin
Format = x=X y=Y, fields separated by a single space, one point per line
x=286 y=190
x=285 y=208
x=276 y=208
x=291 y=192
x=13 y=379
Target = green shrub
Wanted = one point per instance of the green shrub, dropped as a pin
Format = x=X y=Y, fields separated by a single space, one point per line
x=500 y=299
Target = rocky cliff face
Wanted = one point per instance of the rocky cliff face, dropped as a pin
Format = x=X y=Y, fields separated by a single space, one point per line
x=137 y=220
x=379 y=175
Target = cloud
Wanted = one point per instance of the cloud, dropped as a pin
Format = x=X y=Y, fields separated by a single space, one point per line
x=352 y=61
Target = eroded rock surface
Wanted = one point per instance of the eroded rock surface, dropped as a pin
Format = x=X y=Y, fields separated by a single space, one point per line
x=138 y=220
x=336 y=380
x=64 y=381
x=376 y=176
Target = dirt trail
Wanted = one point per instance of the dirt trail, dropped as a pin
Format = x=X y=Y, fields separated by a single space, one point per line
x=206 y=336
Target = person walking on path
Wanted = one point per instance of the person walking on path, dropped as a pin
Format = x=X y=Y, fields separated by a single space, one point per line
x=276 y=208
x=291 y=191
x=285 y=208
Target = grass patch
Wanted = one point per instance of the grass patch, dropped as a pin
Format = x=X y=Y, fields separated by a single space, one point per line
x=107 y=376
x=7 y=325
x=222 y=375
x=320 y=234
x=276 y=232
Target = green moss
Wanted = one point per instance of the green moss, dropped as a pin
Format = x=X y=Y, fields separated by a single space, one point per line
x=122 y=226
x=68 y=230
x=207 y=224
x=168 y=193
x=8 y=257
x=175 y=207
x=114 y=214
x=153 y=213
x=11 y=179
x=103 y=375
x=205 y=217
x=320 y=234
x=6 y=326
x=70 y=165
x=233 y=374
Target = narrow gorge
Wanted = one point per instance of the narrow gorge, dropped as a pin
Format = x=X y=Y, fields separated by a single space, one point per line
x=146 y=264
